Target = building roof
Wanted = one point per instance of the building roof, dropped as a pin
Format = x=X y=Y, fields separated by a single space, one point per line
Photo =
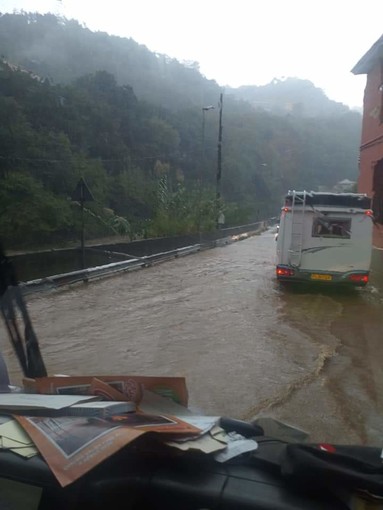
x=367 y=62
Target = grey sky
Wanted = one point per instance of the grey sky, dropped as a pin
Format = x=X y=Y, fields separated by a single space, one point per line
x=242 y=42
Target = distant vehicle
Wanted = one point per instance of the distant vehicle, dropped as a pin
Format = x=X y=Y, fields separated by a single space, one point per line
x=325 y=237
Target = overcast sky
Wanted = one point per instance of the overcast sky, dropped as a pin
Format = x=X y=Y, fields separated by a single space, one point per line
x=242 y=42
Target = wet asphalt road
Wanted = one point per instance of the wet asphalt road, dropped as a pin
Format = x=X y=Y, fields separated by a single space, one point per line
x=247 y=347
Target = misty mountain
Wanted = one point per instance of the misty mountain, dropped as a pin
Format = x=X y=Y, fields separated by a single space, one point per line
x=290 y=96
x=63 y=50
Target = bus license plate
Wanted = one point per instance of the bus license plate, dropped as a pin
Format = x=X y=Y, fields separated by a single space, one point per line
x=325 y=277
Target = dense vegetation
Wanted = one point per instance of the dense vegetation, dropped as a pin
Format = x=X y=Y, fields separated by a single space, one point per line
x=131 y=123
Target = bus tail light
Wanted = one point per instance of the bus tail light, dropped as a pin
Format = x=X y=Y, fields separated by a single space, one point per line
x=358 y=278
x=285 y=271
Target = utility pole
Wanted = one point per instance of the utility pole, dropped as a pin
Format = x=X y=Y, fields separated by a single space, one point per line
x=202 y=167
x=219 y=160
x=82 y=194
x=204 y=109
x=82 y=200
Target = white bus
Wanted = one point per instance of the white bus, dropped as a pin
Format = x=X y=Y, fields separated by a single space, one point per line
x=325 y=237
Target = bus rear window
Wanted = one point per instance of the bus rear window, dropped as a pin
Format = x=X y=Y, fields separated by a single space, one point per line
x=332 y=227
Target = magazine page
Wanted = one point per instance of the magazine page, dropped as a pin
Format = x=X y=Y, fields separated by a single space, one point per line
x=72 y=446
x=131 y=386
x=105 y=391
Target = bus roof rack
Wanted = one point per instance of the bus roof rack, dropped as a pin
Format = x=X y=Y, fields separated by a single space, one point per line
x=356 y=200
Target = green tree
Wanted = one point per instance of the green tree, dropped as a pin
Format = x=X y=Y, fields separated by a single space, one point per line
x=30 y=215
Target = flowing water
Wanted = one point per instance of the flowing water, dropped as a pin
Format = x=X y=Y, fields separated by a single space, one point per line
x=247 y=346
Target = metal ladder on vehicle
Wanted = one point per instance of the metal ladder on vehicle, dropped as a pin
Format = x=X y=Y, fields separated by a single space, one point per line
x=297 y=228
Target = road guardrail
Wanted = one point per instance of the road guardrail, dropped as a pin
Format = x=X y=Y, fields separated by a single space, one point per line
x=93 y=273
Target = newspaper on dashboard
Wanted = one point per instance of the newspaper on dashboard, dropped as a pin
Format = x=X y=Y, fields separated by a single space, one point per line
x=72 y=446
x=132 y=387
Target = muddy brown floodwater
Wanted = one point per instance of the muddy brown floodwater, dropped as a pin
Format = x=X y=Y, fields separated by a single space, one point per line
x=247 y=347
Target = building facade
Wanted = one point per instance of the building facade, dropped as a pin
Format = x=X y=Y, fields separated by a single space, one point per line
x=371 y=150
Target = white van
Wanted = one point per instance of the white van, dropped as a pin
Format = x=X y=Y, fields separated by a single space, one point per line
x=325 y=237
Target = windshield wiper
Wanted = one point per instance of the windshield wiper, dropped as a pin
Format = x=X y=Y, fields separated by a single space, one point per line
x=12 y=302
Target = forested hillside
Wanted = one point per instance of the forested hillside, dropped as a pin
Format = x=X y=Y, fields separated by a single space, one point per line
x=74 y=103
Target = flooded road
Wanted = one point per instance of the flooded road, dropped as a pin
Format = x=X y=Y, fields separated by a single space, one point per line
x=246 y=346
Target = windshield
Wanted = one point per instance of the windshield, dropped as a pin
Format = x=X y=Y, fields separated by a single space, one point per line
x=146 y=150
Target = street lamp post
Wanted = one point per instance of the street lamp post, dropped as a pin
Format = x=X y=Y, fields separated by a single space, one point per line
x=202 y=165
x=219 y=162
x=204 y=109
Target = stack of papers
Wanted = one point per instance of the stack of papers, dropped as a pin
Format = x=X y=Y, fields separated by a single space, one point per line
x=212 y=438
x=75 y=432
x=14 y=438
x=13 y=402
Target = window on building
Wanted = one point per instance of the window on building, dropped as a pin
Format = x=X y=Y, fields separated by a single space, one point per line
x=332 y=227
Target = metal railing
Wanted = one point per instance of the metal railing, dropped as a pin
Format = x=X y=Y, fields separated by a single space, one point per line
x=208 y=240
x=94 y=273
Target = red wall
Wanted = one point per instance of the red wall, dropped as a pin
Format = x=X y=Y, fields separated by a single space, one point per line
x=371 y=149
